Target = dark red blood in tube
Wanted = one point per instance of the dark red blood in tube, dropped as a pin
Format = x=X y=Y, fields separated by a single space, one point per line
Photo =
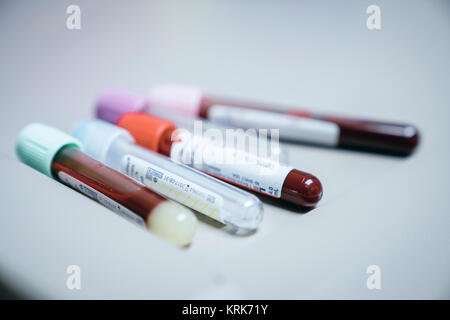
x=301 y=188
x=392 y=138
x=109 y=182
x=356 y=134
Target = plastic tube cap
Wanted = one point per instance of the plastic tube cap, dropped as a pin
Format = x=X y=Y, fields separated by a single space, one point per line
x=111 y=105
x=148 y=131
x=180 y=99
x=37 y=145
x=97 y=137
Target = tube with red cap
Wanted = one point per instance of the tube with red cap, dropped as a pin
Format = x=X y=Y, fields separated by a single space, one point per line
x=230 y=164
x=294 y=125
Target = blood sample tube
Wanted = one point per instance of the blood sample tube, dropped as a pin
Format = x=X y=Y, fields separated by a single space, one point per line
x=242 y=168
x=59 y=156
x=192 y=188
x=294 y=125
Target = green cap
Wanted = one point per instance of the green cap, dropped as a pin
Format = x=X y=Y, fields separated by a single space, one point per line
x=37 y=145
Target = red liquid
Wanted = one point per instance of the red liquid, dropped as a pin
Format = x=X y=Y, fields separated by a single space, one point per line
x=109 y=182
x=372 y=136
x=391 y=138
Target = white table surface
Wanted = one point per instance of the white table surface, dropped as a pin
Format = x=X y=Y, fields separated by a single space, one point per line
x=377 y=210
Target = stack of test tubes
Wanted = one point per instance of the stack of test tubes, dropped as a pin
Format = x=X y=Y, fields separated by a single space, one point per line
x=144 y=158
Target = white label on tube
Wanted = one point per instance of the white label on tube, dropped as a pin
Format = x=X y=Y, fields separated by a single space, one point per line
x=291 y=127
x=230 y=164
x=100 y=197
x=173 y=186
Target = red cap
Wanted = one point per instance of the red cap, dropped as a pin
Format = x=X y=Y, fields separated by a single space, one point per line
x=149 y=132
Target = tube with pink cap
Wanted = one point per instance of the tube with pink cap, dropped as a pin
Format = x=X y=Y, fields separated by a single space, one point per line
x=294 y=124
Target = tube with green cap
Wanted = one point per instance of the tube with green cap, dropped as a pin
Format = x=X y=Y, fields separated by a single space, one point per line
x=60 y=156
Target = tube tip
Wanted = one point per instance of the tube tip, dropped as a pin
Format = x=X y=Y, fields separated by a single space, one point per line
x=413 y=138
x=312 y=191
x=173 y=223
x=302 y=188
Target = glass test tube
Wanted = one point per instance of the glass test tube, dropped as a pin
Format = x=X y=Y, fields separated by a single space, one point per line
x=208 y=196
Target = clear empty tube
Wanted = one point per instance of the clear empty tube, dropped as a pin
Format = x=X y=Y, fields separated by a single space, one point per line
x=192 y=188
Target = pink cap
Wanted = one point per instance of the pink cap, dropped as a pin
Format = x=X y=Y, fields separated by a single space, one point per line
x=111 y=105
x=181 y=99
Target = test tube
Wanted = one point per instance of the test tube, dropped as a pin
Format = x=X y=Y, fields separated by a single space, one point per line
x=294 y=124
x=244 y=169
x=60 y=156
x=211 y=197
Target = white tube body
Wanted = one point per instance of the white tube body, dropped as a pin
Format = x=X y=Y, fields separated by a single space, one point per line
x=231 y=163
x=290 y=128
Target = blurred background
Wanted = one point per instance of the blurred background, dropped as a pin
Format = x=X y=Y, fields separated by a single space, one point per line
x=377 y=209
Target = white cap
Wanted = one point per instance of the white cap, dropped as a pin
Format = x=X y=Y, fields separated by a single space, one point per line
x=181 y=99
x=97 y=137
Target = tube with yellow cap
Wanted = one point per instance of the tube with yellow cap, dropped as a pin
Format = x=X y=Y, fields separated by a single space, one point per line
x=60 y=156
